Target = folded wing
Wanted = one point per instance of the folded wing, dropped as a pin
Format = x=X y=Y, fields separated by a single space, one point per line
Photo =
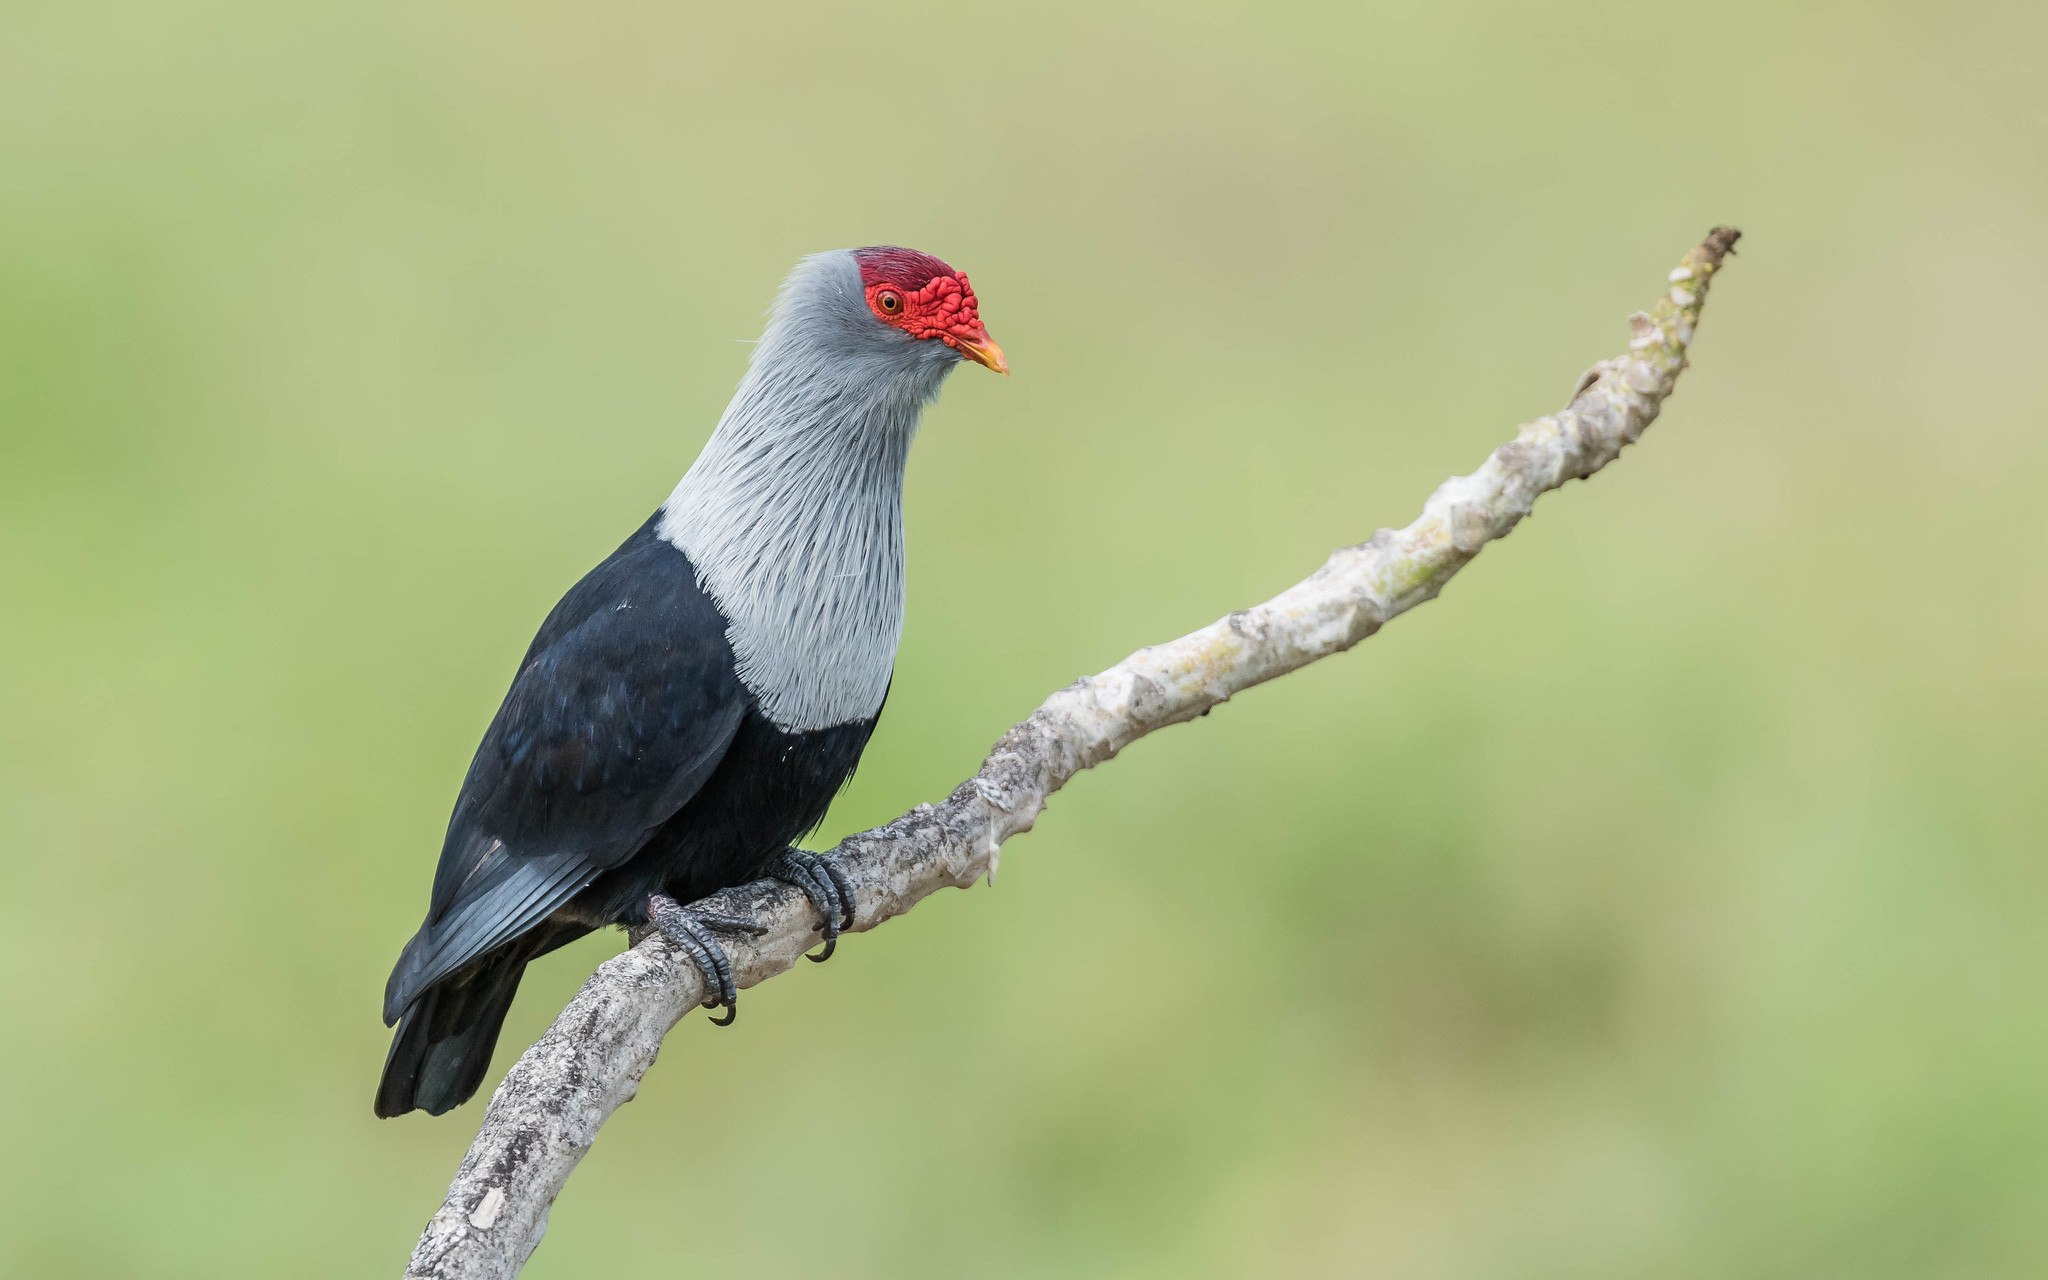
x=624 y=705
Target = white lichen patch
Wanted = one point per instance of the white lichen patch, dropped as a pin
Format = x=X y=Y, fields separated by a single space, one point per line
x=487 y=1210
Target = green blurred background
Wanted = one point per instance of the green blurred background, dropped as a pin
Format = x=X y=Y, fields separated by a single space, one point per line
x=1666 y=901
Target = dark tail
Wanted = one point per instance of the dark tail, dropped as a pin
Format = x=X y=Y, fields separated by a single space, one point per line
x=444 y=1041
x=445 y=1036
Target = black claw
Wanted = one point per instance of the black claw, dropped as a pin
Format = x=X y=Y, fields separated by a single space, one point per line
x=826 y=886
x=844 y=888
x=690 y=932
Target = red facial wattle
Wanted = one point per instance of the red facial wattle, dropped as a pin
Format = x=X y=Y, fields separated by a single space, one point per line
x=942 y=309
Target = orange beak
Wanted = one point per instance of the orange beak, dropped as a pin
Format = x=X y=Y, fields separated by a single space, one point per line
x=984 y=351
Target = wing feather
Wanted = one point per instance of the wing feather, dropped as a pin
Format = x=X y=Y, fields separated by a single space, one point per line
x=624 y=706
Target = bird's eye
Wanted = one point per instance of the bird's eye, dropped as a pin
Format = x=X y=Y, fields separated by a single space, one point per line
x=889 y=301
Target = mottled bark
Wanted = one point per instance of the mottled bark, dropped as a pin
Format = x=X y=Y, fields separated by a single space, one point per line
x=546 y=1114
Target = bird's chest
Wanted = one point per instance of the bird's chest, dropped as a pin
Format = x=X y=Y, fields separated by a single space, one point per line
x=817 y=651
x=770 y=789
x=782 y=782
x=808 y=574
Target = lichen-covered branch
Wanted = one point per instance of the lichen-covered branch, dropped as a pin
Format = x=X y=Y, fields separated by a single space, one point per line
x=547 y=1112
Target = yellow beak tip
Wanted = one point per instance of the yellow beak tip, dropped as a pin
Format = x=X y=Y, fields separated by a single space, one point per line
x=988 y=355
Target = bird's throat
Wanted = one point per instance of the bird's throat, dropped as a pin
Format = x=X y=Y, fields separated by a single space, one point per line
x=793 y=519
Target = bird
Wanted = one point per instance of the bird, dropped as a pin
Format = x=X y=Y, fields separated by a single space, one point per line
x=691 y=706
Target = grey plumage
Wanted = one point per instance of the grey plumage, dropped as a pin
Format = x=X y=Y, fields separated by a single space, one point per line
x=793 y=513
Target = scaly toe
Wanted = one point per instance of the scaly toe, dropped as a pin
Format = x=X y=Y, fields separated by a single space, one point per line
x=690 y=932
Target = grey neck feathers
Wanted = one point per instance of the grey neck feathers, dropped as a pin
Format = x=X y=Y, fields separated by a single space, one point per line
x=793 y=513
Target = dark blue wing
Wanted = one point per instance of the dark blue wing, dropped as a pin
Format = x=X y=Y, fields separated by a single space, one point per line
x=625 y=704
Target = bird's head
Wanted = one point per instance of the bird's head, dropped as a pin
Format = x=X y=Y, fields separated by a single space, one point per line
x=926 y=301
x=859 y=338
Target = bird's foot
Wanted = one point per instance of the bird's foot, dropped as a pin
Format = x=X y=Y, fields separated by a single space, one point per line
x=825 y=885
x=690 y=931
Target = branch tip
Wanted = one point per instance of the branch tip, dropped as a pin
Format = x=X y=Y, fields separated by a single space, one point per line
x=1719 y=244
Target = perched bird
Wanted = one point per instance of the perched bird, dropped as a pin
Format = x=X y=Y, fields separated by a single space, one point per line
x=693 y=704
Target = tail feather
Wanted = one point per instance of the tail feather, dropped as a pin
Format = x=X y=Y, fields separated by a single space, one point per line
x=446 y=1034
x=444 y=1042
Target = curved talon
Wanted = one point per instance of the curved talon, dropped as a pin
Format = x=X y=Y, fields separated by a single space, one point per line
x=827 y=926
x=827 y=890
x=844 y=887
x=831 y=945
x=690 y=932
x=824 y=900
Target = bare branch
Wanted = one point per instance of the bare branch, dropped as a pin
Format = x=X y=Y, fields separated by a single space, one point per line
x=546 y=1114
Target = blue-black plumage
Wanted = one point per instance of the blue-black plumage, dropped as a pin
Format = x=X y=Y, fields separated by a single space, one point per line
x=693 y=704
